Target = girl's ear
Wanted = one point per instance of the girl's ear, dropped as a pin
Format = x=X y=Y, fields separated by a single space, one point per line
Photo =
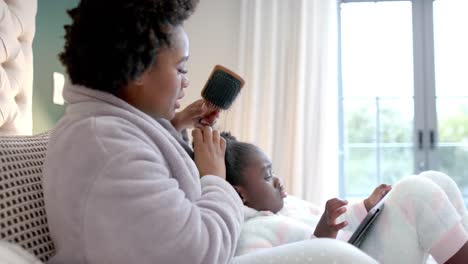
x=242 y=193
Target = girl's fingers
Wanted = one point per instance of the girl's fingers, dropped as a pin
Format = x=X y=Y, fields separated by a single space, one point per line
x=384 y=187
x=335 y=203
x=336 y=213
x=340 y=226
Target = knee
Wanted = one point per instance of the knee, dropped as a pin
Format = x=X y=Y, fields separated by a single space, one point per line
x=414 y=188
x=433 y=174
x=441 y=179
x=416 y=197
x=412 y=185
x=449 y=186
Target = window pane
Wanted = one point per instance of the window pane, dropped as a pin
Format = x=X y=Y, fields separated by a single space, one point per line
x=359 y=116
x=452 y=116
x=451 y=62
x=450 y=43
x=453 y=162
x=378 y=142
x=377 y=49
x=395 y=163
x=360 y=170
x=378 y=103
x=396 y=120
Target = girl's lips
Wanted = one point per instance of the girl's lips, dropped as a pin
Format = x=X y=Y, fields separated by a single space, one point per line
x=283 y=193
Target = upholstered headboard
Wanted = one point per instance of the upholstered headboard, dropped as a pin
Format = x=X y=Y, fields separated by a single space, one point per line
x=17 y=28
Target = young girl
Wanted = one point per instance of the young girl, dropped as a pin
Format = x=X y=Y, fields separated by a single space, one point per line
x=423 y=214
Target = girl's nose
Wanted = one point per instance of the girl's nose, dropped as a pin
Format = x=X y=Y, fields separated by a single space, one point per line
x=276 y=182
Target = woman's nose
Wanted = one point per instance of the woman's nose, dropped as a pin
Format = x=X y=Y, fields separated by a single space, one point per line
x=185 y=82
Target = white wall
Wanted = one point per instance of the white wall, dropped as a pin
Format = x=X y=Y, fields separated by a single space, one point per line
x=213 y=31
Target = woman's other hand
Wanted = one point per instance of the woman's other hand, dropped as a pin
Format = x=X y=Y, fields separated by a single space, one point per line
x=208 y=119
x=376 y=196
x=209 y=149
x=197 y=114
x=327 y=226
x=189 y=116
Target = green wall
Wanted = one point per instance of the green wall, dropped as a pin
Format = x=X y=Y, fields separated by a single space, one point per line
x=48 y=43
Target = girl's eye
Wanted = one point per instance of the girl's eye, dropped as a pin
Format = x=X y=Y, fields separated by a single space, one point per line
x=182 y=71
x=268 y=177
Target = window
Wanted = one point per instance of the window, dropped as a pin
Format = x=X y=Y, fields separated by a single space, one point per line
x=390 y=88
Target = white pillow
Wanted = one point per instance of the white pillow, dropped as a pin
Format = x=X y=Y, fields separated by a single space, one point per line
x=14 y=254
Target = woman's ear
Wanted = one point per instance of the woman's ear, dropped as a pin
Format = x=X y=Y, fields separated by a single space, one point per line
x=242 y=193
x=140 y=80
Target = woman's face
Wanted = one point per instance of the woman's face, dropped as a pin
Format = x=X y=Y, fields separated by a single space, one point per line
x=159 y=89
x=260 y=189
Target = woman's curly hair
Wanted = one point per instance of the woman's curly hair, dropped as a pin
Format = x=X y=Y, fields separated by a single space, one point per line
x=112 y=42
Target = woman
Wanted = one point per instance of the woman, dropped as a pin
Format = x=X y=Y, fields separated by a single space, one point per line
x=118 y=187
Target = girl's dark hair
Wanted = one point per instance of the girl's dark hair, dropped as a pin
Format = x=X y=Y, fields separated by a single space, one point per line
x=237 y=158
x=112 y=42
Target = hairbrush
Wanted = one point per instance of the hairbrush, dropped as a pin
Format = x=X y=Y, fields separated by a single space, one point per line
x=222 y=88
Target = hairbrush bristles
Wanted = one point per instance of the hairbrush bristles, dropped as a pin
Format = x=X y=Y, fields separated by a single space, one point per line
x=211 y=107
x=222 y=88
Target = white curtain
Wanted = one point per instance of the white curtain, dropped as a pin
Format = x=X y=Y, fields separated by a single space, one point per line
x=288 y=56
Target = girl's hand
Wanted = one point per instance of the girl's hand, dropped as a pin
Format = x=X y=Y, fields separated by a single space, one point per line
x=209 y=148
x=327 y=226
x=376 y=196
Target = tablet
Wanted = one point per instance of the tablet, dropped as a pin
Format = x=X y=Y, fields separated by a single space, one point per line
x=360 y=233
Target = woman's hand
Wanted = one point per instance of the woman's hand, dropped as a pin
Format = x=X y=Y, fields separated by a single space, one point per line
x=209 y=149
x=327 y=226
x=376 y=196
x=208 y=119
x=189 y=115
x=196 y=114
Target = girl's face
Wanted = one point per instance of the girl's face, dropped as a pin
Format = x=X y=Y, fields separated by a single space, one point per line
x=260 y=189
x=159 y=89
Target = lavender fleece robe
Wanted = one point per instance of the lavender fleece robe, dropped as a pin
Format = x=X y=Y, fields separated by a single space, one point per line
x=120 y=189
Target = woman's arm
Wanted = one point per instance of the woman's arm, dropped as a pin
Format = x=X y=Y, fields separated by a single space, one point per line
x=138 y=211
